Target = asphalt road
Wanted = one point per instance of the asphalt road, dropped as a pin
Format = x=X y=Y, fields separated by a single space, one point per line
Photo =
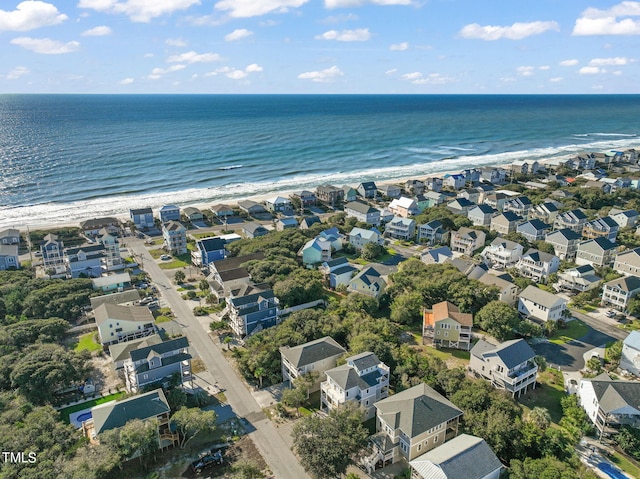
x=266 y=437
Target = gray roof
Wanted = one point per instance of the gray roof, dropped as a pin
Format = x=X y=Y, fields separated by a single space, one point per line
x=253 y=227
x=120 y=351
x=116 y=414
x=511 y=353
x=564 y=234
x=161 y=348
x=106 y=311
x=360 y=207
x=236 y=261
x=613 y=395
x=539 y=296
x=505 y=243
x=633 y=340
x=626 y=283
x=8 y=250
x=364 y=360
x=346 y=377
x=416 y=410
x=311 y=352
x=539 y=256
x=464 y=457
x=337 y=261
x=115 y=298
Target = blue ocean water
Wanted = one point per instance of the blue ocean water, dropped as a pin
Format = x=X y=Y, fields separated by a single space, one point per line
x=77 y=156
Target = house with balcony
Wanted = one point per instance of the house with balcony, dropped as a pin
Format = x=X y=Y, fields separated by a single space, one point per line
x=573 y=220
x=313 y=357
x=481 y=215
x=455 y=182
x=624 y=218
x=142 y=218
x=411 y=423
x=157 y=363
x=507 y=291
x=628 y=262
x=509 y=366
x=207 y=251
x=415 y=187
x=349 y=194
x=52 y=251
x=467 y=240
x=84 y=261
x=465 y=456
x=502 y=253
x=253 y=312
x=144 y=407
x=231 y=282
x=9 y=258
x=617 y=293
x=363 y=379
x=630 y=358
x=605 y=227
x=390 y=191
x=279 y=204
x=597 y=252
x=610 y=403
x=305 y=197
x=363 y=212
x=368 y=189
x=565 y=243
x=329 y=194
x=119 y=353
x=401 y=228
x=533 y=230
x=432 y=198
x=175 y=237
x=403 y=207
x=193 y=214
x=358 y=237
x=169 y=213
x=315 y=251
x=368 y=281
x=537 y=303
x=505 y=223
x=496 y=200
x=235 y=262
x=433 y=183
x=460 y=206
x=445 y=326
x=433 y=233
x=546 y=212
x=338 y=271
x=9 y=236
x=93 y=226
x=520 y=205
x=525 y=167
x=538 y=265
x=493 y=175
x=112 y=258
x=579 y=279
x=119 y=324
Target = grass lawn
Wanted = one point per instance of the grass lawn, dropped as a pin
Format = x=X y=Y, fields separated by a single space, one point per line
x=162 y=319
x=631 y=325
x=202 y=235
x=87 y=342
x=624 y=464
x=575 y=329
x=64 y=413
x=547 y=394
x=158 y=241
x=174 y=264
x=156 y=253
x=446 y=354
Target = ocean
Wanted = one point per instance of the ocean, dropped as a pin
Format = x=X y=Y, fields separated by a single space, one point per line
x=64 y=158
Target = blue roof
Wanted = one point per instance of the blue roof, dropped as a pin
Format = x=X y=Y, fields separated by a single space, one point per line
x=633 y=340
x=211 y=244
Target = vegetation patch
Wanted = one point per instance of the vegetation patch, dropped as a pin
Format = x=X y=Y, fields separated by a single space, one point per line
x=88 y=343
x=625 y=464
x=174 y=264
x=547 y=394
x=574 y=330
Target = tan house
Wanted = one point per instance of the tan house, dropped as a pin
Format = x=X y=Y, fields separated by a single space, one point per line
x=312 y=357
x=505 y=223
x=444 y=325
x=117 y=324
x=508 y=291
x=467 y=240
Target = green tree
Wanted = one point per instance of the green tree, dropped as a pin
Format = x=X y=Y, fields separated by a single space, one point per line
x=94 y=461
x=499 y=319
x=406 y=308
x=135 y=438
x=613 y=353
x=539 y=416
x=176 y=398
x=372 y=251
x=179 y=277
x=192 y=421
x=203 y=285
x=245 y=469
x=594 y=364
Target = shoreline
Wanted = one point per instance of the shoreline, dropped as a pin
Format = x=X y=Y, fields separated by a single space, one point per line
x=124 y=216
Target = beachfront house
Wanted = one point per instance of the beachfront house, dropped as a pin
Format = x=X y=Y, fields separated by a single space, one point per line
x=537 y=303
x=617 y=293
x=251 y=207
x=314 y=357
x=533 y=230
x=404 y=207
x=142 y=218
x=363 y=212
x=349 y=194
x=507 y=291
x=221 y=210
x=610 y=403
x=279 y=204
x=467 y=240
x=112 y=259
x=455 y=182
x=605 y=227
x=509 y=366
x=390 y=191
x=329 y=194
x=573 y=220
x=305 y=197
x=93 y=226
x=9 y=236
x=169 y=213
x=445 y=326
x=410 y=423
x=520 y=205
x=537 y=265
x=358 y=237
x=624 y=218
x=193 y=214
x=363 y=378
x=493 y=174
x=9 y=257
x=254 y=230
x=208 y=250
x=401 y=228
x=368 y=281
x=84 y=261
x=630 y=359
x=465 y=456
x=565 y=243
x=432 y=233
x=338 y=271
x=502 y=253
x=175 y=237
x=52 y=251
x=481 y=215
x=118 y=324
x=578 y=279
x=415 y=187
x=368 y=189
x=251 y=313
x=433 y=183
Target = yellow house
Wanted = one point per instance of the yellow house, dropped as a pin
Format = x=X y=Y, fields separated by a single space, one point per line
x=444 y=325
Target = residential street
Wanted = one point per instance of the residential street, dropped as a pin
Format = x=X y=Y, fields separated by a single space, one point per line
x=272 y=446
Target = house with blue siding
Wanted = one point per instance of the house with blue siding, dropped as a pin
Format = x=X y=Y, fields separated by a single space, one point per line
x=253 y=312
x=84 y=261
x=142 y=218
x=533 y=230
x=207 y=251
x=169 y=213
x=367 y=189
x=338 y=271
x=9 y=257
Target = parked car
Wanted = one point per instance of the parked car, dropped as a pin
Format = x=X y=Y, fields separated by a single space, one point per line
x=207 y=460
x=165 y=257
x=610 y=314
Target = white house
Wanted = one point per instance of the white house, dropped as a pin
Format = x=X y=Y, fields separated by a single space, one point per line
x=175 y=237
x=358 y=237
x=538 y=265
x=630 y=359
x=502 y=253
x=540 y=304
x=619 y=292
x=401 y=228
x=117 y=324
x=404 y=207
x=363 y=212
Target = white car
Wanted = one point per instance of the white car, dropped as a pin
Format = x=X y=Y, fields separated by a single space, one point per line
x=610 y=314
x=165 y=257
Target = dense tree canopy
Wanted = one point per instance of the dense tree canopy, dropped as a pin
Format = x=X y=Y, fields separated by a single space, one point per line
x=498 y=319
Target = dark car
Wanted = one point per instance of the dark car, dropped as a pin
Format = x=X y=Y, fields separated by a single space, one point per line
x=207 y=460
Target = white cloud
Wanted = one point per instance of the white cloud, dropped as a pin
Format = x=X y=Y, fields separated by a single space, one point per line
x=591 y=70
x=46 y=46
x=359 y=3
x=434 y=79
x=609 y=61
x=255 y=8
x=126 y=81
x=357 y=35
x=399 y=47
x=194 y=57
x=323 y=76
x=138 y=10
x=29 y=16
x=237 y=34
x=617 y=73
x=556 y=79
x=17 y=72
x=391 y=72
x=412 y=76
x=176 y=42
x=614 y=21
x=517 y=31
x=544 y=67
x=342 y=18
x=525 y=71
x=569 y=63
x=253 y=68
x=237 y=74
x=100 y=31
x=158 y=72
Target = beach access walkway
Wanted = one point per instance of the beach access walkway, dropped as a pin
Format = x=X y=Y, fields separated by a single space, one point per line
x=273 y=447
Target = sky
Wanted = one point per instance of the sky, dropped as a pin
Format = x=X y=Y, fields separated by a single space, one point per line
x=319 y=46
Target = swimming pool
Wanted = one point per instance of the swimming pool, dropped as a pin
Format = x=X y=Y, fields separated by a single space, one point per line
x=611 y=471
x=83 y=417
